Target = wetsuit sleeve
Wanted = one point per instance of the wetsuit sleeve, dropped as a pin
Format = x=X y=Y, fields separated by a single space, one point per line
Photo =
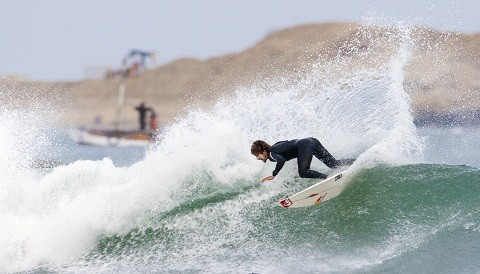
x=280 y=162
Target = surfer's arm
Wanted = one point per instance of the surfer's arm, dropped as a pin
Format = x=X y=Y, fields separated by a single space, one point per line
x=280 y=162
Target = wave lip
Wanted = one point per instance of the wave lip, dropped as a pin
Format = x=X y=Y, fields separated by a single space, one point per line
x=196 y=197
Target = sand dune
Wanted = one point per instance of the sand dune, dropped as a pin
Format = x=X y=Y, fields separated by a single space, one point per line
x=443 y=76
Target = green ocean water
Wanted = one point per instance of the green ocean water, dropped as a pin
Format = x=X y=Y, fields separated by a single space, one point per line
x=415 y=218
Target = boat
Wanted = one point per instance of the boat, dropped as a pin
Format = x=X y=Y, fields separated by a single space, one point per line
x=113 y=136
x=103 y=137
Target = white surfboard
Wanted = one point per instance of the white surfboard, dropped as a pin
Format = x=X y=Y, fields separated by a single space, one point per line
x=318 y=193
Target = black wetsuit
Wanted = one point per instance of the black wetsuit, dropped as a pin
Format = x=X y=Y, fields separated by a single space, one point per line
x=303 y=149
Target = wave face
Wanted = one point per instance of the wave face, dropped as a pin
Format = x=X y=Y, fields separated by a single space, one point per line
x=388 y=216
x=194 y=203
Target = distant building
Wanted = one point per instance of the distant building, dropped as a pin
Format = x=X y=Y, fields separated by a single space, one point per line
x=14 y=77
x=95 y=72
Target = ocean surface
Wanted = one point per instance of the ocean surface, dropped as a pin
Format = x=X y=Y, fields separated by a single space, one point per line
x=192 y=201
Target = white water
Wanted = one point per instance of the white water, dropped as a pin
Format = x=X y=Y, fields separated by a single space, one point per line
x=52 y=220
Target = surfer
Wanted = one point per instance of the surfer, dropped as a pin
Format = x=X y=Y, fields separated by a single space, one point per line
x=302 y=149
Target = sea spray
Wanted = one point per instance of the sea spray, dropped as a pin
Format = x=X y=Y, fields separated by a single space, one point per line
x=401 y=145
x=22 y=140
x=194 y=203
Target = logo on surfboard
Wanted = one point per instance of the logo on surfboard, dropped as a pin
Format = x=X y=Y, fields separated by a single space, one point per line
x=286 y=202
x=319 y=200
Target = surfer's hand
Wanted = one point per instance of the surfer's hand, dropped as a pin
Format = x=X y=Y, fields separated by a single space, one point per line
x=268 y=178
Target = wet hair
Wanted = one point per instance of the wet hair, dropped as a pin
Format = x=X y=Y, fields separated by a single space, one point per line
x=259 y=147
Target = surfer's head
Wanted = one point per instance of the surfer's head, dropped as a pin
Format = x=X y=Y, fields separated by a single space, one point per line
x=260 y=150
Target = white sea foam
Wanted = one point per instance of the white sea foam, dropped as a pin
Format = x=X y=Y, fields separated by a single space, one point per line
x=53 y=220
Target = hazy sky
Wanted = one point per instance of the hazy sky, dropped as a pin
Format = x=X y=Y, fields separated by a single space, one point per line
x=59 y=39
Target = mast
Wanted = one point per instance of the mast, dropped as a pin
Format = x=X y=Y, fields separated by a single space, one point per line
x=120 y=102
x=125 y=73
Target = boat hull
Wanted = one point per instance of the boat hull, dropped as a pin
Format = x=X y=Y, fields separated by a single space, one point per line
x=110 y=137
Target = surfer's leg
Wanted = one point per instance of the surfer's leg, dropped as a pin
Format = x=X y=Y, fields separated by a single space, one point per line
x=305 y=149
x=323 y=155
